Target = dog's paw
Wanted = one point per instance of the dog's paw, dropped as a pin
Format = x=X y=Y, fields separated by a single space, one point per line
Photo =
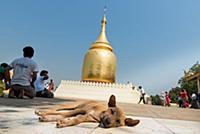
x=39 y=113
x=42 y=119
x=60 y=124
x=64 y=123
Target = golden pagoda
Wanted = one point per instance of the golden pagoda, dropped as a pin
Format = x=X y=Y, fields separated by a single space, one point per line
x=100 y=62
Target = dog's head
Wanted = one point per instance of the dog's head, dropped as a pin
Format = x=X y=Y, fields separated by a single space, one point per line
x=114 y=116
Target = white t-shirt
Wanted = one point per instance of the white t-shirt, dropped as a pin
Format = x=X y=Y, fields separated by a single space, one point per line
x=22 y=71
x=39 y=84
x=141 y=91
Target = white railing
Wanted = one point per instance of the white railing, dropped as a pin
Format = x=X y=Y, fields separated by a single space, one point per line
x=72 y=83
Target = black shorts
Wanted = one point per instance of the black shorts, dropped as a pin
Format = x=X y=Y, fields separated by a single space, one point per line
x=27 y=89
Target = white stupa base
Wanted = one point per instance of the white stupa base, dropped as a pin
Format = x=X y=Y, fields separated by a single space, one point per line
x=97 y=91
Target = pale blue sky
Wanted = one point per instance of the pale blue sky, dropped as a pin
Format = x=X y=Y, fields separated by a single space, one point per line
x=154 y=40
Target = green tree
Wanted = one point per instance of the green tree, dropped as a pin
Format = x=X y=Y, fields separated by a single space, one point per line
x=156 y=100
x=190 y=86
x=173 y=93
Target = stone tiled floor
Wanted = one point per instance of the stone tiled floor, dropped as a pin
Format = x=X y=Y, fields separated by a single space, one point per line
x=17 y=116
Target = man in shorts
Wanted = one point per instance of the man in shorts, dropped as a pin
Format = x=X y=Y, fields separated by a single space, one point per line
x=24 y=74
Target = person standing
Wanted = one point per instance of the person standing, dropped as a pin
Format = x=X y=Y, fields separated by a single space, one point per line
x=142 y=94
x=167 y=99
x=180 y=98
x=183 y=98
x=162 y=98
x=24 y=74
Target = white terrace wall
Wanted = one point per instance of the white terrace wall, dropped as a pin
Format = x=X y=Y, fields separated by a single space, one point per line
x=97 y=91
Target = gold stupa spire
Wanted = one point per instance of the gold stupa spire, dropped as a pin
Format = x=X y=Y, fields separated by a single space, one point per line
x=102 y=41
x=102 y=37
x=99 y=63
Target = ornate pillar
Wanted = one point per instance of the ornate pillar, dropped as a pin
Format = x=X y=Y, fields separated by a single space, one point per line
x=198 y=84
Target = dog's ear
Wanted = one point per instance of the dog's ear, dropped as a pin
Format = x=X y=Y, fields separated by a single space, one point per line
x=112 y=101
x=130 y=122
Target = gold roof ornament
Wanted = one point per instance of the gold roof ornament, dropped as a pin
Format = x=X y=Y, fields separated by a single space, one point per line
x=100 y=62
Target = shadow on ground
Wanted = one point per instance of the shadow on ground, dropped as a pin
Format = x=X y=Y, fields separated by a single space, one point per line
x=31 y=102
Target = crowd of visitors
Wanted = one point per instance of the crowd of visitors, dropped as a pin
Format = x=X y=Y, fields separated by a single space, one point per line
x=183 y=99
x=24 y=81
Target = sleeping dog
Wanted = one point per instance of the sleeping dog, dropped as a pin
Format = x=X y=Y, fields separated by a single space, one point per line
x=87 y=111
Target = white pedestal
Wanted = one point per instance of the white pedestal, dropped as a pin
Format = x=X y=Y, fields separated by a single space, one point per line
x=97 y=91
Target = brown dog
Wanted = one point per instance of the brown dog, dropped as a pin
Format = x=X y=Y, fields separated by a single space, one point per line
x=87 y=111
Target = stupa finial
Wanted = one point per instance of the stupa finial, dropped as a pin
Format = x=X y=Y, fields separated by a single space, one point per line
x=102 y=37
